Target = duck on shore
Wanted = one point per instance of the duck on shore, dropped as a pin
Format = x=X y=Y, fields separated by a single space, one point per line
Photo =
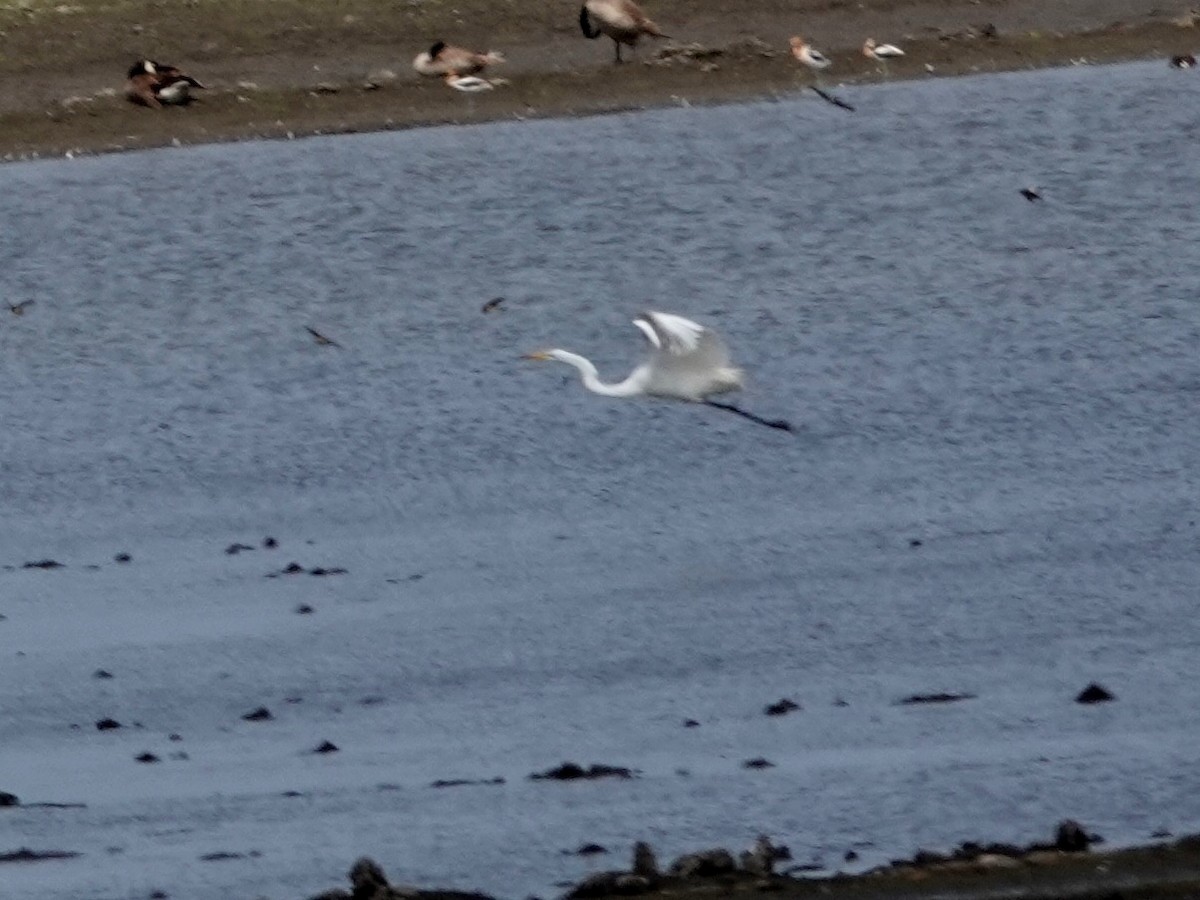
x=621 y=20
x=155 y=84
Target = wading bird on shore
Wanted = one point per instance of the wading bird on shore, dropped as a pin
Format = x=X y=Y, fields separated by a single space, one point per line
x=156 y=85
x=808 y=55
x=687 y=362
x=444 y=59
x=621 y=20
x=1183 y=61
x=881 y=53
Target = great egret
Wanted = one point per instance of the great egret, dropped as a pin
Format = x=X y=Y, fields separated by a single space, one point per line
x=621 y=20
x=687 y=362
x=445 y=59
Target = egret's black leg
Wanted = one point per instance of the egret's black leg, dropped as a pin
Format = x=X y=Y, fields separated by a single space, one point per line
x=781 y=424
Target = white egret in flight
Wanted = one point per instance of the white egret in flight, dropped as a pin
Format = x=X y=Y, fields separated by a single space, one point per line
x=687 y=362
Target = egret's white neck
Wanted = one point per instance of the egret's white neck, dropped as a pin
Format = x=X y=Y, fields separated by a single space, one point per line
x=591 y=377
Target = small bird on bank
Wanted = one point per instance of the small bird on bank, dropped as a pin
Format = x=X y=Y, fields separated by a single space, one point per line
x=156 y=85
x=806 y=54
x=18 y=309
x=687 y=362
x=444 y=59
x=1030 y=194
x=320 y=339
x=1183 y=61
x=621 y=20
x=881 y=53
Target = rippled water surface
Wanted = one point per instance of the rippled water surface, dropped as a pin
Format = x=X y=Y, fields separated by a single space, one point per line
x=992 y=489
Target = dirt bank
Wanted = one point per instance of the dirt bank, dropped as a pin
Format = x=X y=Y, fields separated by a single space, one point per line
x=1052 y=871
x=298 y=67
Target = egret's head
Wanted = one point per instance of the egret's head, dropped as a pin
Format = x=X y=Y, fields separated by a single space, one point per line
x=541 y=355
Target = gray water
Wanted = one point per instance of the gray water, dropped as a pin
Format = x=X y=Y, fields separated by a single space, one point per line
x=991 y=488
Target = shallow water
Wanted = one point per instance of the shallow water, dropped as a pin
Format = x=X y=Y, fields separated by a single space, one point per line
x=991 y=490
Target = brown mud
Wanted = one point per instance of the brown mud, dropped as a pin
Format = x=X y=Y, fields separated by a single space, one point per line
x=1053 y=871
x=280 y=68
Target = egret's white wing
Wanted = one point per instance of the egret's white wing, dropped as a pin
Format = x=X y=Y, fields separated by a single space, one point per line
x=677 y=336
x=689 y=360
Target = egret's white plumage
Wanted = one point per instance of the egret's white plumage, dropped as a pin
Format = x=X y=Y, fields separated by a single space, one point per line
x=687 y=362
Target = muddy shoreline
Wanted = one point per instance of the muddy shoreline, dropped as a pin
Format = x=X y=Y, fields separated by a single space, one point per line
x=352 y=73
x=1064 y=867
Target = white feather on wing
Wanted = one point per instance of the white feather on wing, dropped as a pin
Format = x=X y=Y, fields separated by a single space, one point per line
x=688 y=359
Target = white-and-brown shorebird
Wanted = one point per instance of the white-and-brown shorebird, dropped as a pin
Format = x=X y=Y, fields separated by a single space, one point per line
x=881 y=53
x=621 y=20
x=808 y=55
x=444 y=59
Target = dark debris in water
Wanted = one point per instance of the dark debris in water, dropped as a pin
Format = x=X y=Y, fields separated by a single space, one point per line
x=758 y=762
x=294 y=568
x=1095 y=693
x=916 y=699
x=781 y=707
x=24 y=854
x=570 y=771
x=462 y=782
x=587 y=850
x=223 y=855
